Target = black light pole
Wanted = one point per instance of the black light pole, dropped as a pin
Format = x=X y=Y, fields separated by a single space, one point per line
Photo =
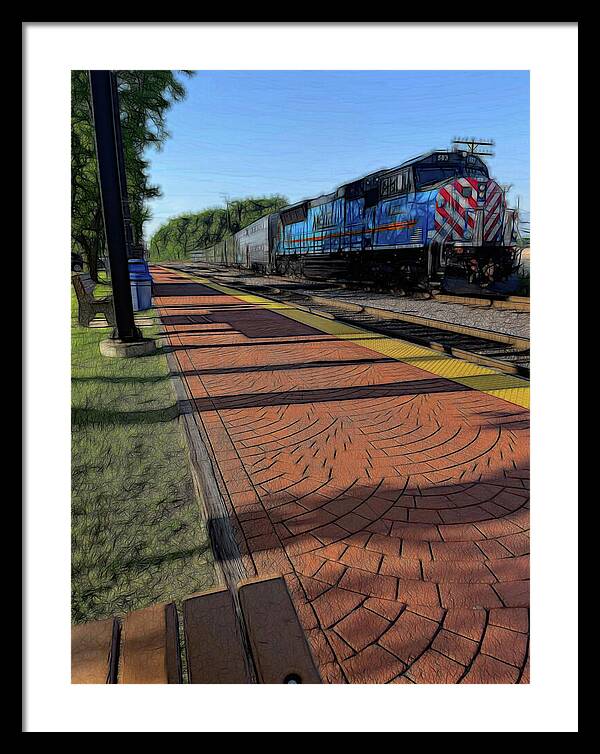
x=106 y=119
x=129 y=240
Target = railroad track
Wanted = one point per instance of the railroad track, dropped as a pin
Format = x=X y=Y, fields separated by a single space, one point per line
x=493 y=301
x=507 y=353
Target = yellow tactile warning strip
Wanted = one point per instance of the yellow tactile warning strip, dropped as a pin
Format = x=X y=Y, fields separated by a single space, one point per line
x=507 y=387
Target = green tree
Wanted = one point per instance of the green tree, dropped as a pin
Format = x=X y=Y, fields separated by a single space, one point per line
x=181 y=235
x=144 y=98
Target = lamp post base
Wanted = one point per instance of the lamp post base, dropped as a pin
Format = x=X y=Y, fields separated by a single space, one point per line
x=124 y=349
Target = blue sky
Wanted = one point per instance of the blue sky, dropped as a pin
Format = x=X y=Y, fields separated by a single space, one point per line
x=303 y=133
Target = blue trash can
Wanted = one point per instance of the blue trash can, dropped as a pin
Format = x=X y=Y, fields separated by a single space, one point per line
x=141 y=284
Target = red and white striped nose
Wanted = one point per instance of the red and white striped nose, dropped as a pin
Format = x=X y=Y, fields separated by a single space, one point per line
x=460 y=201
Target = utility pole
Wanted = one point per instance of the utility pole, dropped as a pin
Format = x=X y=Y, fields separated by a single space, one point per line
x=126 y=339
x=226 y=199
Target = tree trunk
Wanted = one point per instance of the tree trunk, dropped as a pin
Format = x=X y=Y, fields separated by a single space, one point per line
x=91 y=257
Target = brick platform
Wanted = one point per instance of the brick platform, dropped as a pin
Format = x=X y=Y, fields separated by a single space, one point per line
x=393 y=500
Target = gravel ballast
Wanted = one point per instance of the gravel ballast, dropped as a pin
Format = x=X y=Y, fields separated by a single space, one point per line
x=498 y=320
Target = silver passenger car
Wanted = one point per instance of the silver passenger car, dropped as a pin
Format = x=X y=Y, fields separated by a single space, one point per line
x=254 y=243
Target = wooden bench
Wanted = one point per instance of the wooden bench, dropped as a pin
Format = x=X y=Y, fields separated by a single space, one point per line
x=88 y=305
x=263 y=644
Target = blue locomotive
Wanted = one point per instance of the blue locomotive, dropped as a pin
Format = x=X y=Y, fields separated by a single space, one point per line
x=436 y=216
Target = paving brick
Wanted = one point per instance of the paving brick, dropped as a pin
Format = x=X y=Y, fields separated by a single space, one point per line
x=333 y=551
x=497 y=527
x=256 y=527
x=515 y=619
x=362 y=558
x=358 y=539
x=313 y=588
x=306 y=614
x=453 y=551
x=468 y=595
x=418 y=593
x=489 y=670
x=373 y=665
x=416 y=550
x=397 y=513
x=464 y=516
x=381 y=526
x=433 y=667
x=307 y=564
x=416 y=532
x=309 y=521
x=433 y=612
x=510 y=569
x=353 y=523
x=520 y=518
x=389 y=609
x=330 y=533
x=264 y=542
x=384 y=545
x=514 y=593
x=403 y=568
x=335 y=605
x=409 y=636
x=301 y=544
x=271 y=562
x=286 y=511
x=504 y=645
x=460 y=571
x=332 y=673
x=509 y=500
x=369 y=584
x=466 y=622
x=424 y=516
x=493 y=550
x=320 y=648
x=517 y=544
x=458 y=648
x=361 y=628
x=330 y=572
x=341 y=650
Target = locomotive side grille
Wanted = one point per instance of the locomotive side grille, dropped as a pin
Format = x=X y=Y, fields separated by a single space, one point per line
x=416 y=235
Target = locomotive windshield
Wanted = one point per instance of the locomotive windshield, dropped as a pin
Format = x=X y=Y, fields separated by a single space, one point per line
x=428 y=175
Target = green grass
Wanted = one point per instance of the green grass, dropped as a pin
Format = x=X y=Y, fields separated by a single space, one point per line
x=137 y=533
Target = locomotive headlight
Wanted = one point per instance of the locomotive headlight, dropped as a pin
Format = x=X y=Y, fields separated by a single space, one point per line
x=482 y=188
